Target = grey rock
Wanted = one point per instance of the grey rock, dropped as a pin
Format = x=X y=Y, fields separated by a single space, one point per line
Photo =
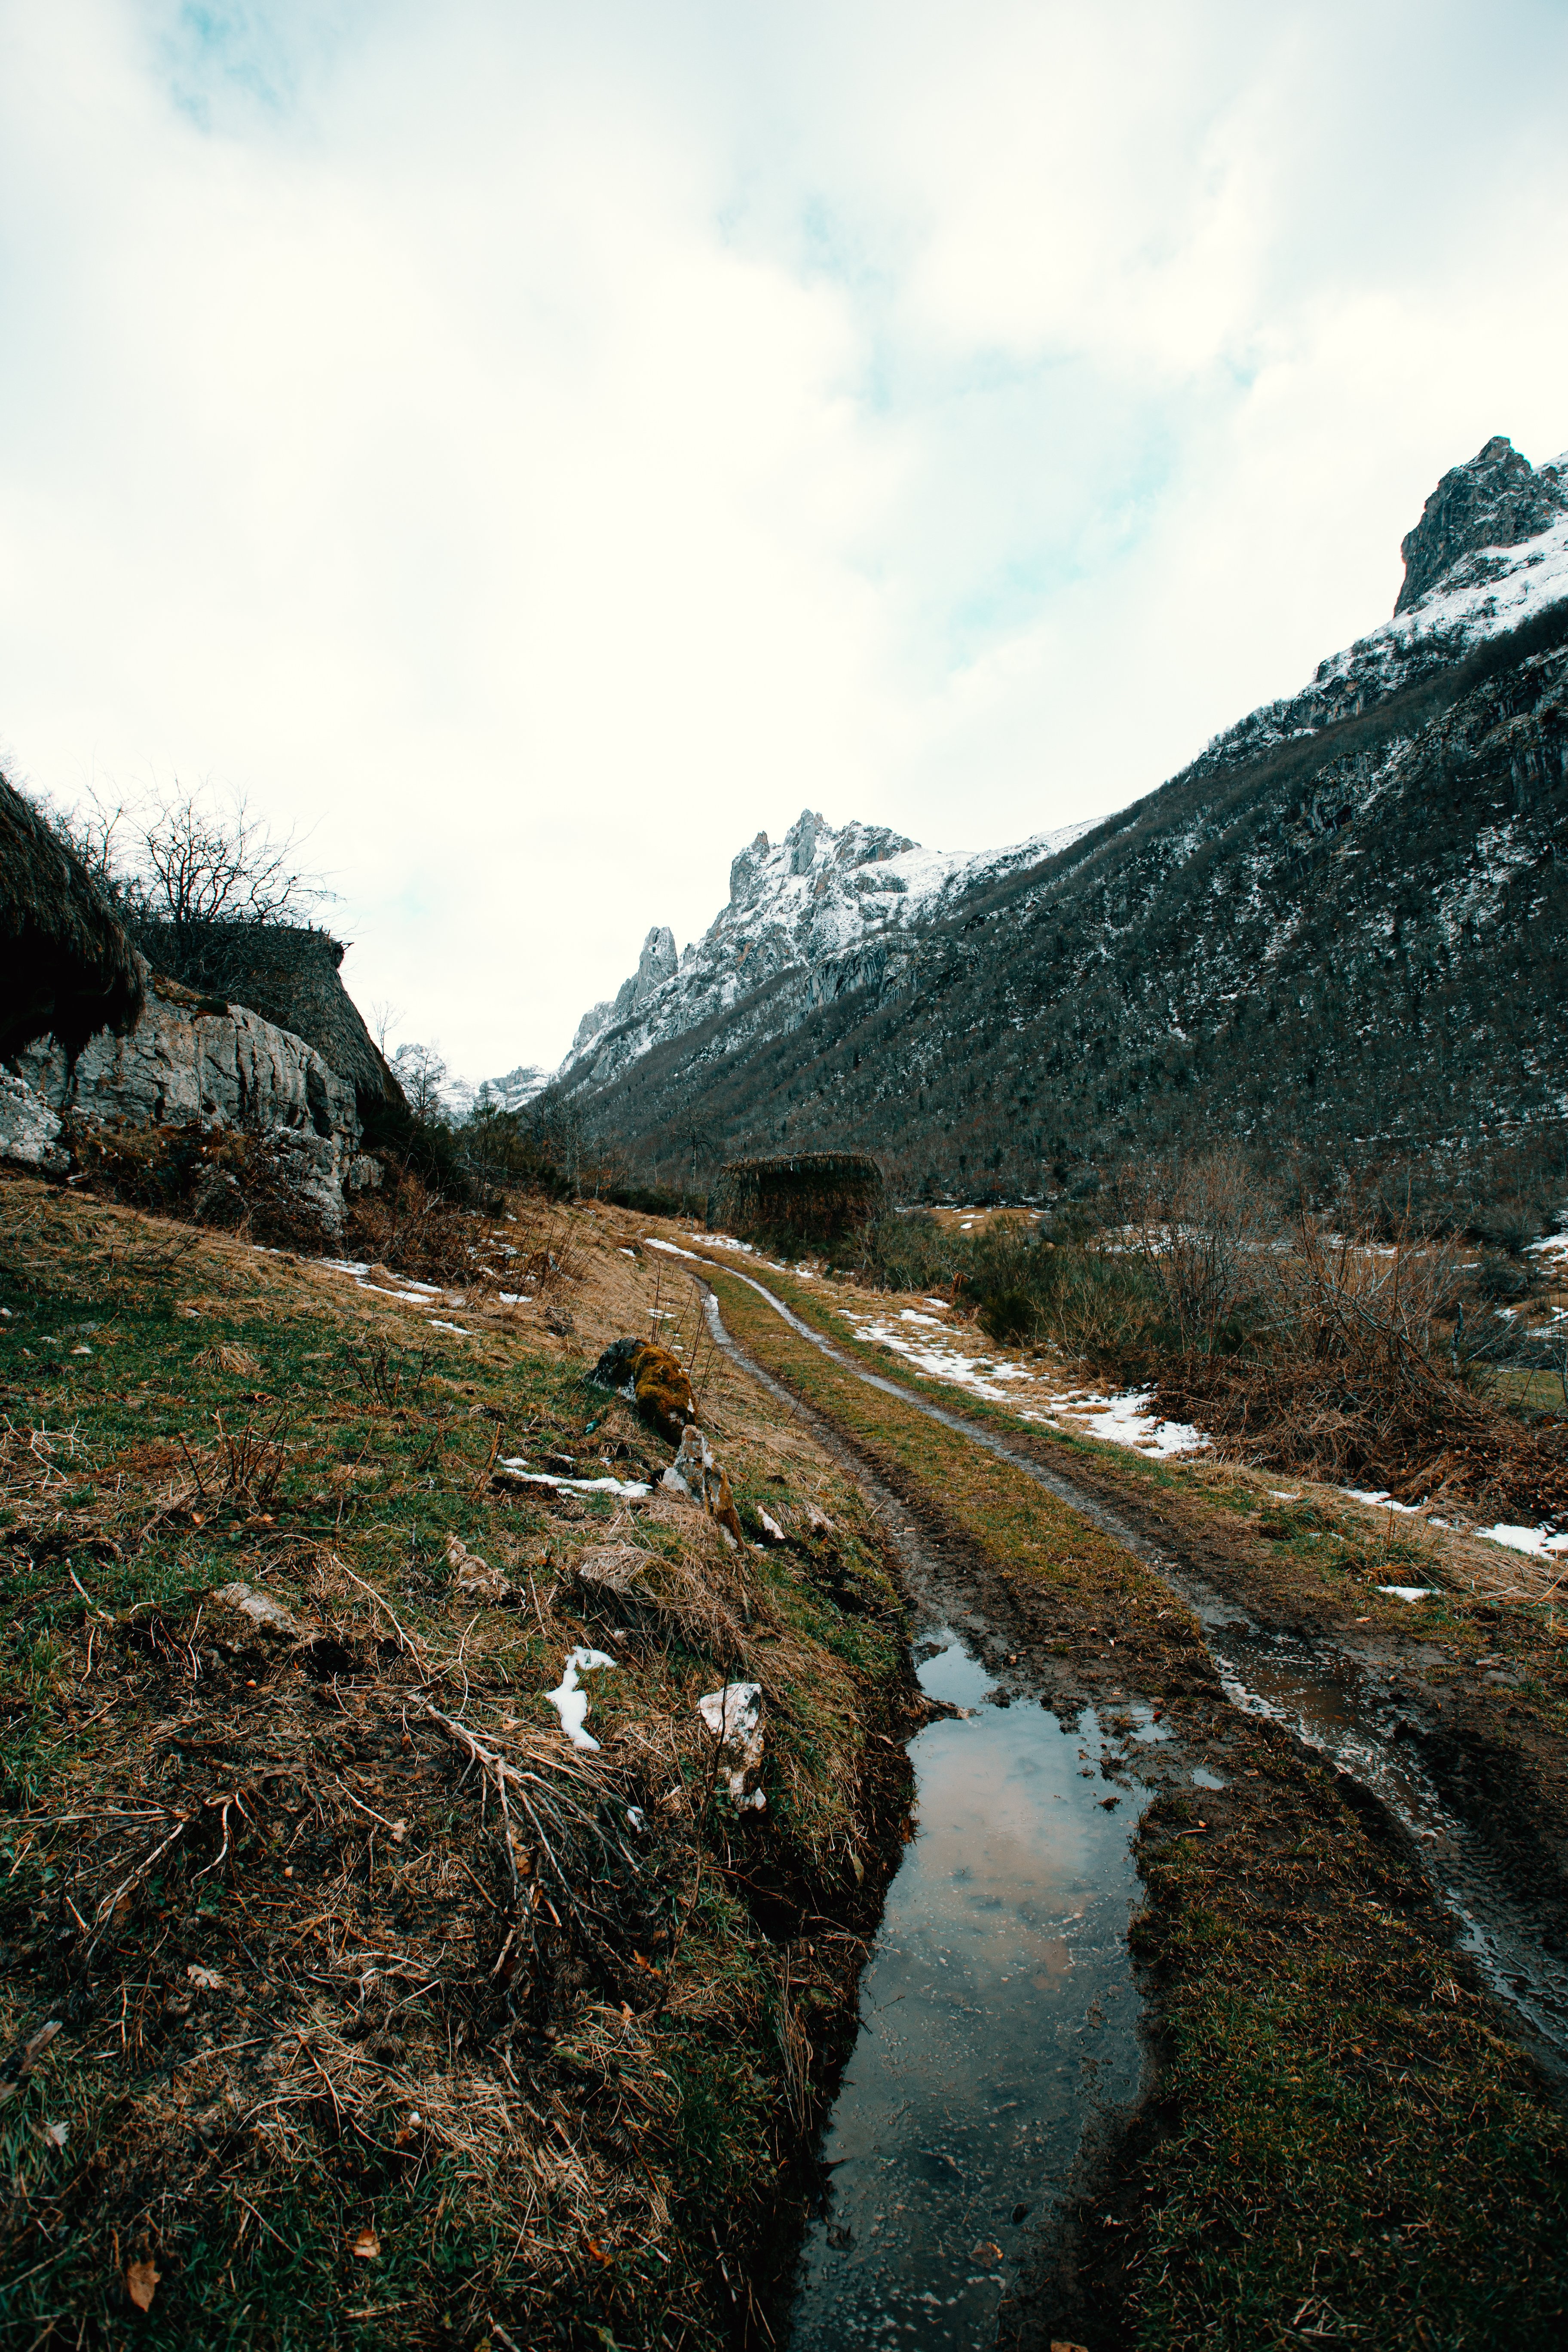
x=29 y=1129
x=191 y=1063
x=1496 y=501
x=185 y=1063
x=266 y=1616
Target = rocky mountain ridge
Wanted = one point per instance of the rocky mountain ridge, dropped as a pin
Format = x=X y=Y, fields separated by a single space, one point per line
x=827 y=902
x=1343 y=922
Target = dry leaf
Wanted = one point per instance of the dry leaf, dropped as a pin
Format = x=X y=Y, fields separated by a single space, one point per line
x=205 y=1980
x=367 y=2245
x=56 y=2134
x=141 y=2283
x=1057 y=2346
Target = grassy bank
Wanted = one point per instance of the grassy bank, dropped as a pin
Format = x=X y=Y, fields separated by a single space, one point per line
x=310 y=2041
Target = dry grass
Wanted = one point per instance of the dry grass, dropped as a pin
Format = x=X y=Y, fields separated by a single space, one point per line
x=342 y=1937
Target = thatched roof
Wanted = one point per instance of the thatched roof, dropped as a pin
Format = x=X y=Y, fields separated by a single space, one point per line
x=66 y=964
x=289 y=973
x=819 y=1194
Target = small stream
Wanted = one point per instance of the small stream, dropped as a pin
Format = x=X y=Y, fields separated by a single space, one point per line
x=998 y=2012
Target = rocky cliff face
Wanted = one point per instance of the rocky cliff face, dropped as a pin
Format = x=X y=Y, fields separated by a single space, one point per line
x=829 y=907
x=194 y=1062
x=1341 y=931
x=1494 y=501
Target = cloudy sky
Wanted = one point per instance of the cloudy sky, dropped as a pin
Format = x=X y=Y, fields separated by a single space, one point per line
x=535 y=445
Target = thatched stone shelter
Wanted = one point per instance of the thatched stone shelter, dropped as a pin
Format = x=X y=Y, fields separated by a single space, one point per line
x=817 y=1194
x=66 y=964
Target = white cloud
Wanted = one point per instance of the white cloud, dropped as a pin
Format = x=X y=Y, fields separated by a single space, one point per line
x=536 y=447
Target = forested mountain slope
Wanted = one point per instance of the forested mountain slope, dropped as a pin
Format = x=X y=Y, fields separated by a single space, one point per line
x=1341 y=930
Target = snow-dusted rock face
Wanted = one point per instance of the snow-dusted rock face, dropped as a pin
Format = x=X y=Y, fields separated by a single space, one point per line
x=1477 y=587
x=1491 y=503
x=1337 y=933
x=461 y=1097
x=828 y=902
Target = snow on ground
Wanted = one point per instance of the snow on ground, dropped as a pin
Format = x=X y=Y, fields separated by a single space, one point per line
x=1130 y=1420
x=937 y=1358
x=1126 y=1419
x=1540 y=1541
x=411 y=1293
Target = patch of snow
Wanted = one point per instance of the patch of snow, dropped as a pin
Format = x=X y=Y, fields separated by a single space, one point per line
x=1540 y=1541
x=571 y=1704
x=1409 y=1591
x=629 y=1489
x=1379 y=1498
x=461 y=1332
x=1127 y=1420
x=980 y=1374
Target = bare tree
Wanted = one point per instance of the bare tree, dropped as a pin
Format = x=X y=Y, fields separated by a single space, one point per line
x=421 y=1073
x=196 y=866
x=182 y=860
x=383 y=1019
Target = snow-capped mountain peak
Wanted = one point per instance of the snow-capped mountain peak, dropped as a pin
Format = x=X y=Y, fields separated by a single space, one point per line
x=807 y=901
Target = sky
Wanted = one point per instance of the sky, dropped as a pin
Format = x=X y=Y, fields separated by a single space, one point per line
x=531 y=448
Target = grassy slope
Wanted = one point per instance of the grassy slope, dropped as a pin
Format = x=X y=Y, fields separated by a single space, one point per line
x=1342 y=2146
x=551 y=2137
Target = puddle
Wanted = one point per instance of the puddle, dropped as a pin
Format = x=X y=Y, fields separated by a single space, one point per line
x=997 y=2016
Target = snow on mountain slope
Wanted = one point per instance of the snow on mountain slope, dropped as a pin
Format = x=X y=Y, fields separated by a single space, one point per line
x=817 y=896
x=1482 y=591
x=831 y=905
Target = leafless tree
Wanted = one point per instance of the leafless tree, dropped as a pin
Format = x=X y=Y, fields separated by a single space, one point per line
x=184 y=859
x=421 y=1073
x=383 y=1019
x=200 y=866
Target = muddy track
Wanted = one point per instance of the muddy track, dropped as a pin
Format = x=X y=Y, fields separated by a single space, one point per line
x=1486 y=1805
x=1202 y=1663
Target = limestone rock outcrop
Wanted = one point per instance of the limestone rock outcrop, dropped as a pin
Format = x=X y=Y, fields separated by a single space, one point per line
x=193 y=1062
x=289 y=973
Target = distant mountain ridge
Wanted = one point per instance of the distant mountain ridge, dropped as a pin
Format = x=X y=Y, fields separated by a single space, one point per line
x=1342 y=921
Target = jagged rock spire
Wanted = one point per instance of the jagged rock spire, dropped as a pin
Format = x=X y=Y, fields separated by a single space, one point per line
x=1495 y=501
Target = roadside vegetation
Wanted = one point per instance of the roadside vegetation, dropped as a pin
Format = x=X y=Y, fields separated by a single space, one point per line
x=344 y=2000
x=1359 y=1345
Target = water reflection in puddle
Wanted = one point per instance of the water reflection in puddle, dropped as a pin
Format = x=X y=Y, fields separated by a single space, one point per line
x=996 y=2014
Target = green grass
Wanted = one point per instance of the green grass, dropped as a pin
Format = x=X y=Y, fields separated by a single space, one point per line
x=651 y=2109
